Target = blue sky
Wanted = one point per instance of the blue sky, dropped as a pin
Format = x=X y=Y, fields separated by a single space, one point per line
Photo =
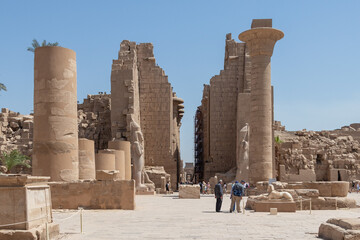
x=315 y=67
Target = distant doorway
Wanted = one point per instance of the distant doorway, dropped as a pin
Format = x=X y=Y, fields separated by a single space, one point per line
x=339 y=176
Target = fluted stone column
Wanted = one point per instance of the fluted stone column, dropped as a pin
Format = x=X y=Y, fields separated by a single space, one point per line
x=260 y=42
x=55 y=114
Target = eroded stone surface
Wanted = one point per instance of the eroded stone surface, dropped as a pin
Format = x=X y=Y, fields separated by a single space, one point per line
x=189 y=191
x=94 y=195
x=340 y=229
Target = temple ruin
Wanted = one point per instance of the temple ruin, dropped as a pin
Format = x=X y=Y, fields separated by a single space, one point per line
x=140 y=90
x=230 y=102
x=240 y=95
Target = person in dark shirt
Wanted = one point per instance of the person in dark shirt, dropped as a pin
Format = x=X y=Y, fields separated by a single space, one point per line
x=218 y=195
x=167 y=187
x=237 y=192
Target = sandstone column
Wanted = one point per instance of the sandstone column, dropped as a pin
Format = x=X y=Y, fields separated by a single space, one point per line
x=105 y=160
x=86 y=159
x=124 y=146
x=261 y=41
x=55 y=114
x=119 y=163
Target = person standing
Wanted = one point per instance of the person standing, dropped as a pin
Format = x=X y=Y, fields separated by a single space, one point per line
x=218 y=195
x=237 y=192
x=167 y=187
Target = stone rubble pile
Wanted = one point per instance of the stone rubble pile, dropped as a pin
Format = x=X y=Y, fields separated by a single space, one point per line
x=94 y=119
x=333 y=155
x=16 y=132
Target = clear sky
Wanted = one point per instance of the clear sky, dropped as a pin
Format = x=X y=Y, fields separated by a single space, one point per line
x=315 y=67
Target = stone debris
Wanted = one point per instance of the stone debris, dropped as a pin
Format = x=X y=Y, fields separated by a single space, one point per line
x=340 y=229
x=16 y=132
x=318 y=155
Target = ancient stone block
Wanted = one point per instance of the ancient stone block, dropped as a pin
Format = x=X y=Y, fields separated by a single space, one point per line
x=94 y=195
x=24 y=198
x=107 y=175
x=282 y=206
x=339 y=229
x=189 y=191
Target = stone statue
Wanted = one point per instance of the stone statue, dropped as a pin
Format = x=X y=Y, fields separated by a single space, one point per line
x=273 y=194
x=142 y=181
x=278 y=195
x=242 y=162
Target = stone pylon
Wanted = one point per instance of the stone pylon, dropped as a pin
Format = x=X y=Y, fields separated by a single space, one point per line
x=260 y=40
x=55 y=114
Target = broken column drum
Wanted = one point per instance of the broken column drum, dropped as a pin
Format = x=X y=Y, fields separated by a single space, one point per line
x=105 y=160
x=119 y=163
x=124 y=146
x=86 y=159
x=261 y=43
x=55 y=114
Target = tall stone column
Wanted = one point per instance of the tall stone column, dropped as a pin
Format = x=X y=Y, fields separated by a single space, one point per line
x=261 y=41
x=55 y=114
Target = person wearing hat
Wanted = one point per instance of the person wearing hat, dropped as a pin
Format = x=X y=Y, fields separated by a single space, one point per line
x=237 y=192
x=218 y=195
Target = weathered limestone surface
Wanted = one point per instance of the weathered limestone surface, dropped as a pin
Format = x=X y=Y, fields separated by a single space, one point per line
x=24 y=198
x=329 y=189
x=94 y=119
x=304 y=192
x=142 y=94
x=156 y=174
x=86 y=159
x=125 y=147
x=261 y=42
x=38 y=233
x=94 y=195
x=55 y=151
x=16 y=132
x=105 y=160
x=219 y=110
x=340 y=229
x=189 y=191
x=282 y=206
x=119 y=163
x=331 y=155
x=107 y=175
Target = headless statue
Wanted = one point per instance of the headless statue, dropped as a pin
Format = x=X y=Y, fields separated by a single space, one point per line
x=242 y=163
x=273 y=194
x=142 y=181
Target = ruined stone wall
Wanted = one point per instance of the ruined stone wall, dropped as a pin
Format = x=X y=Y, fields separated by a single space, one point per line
x=16 y=132
x=93 y=122
x=94 y=119
x=331 y=155
x=224 y=89
x=205 y=107
x=156 y=111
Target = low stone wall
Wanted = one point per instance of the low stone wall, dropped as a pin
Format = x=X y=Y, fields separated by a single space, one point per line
x=326 y=189
x=93 y=195
x=189 y=191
